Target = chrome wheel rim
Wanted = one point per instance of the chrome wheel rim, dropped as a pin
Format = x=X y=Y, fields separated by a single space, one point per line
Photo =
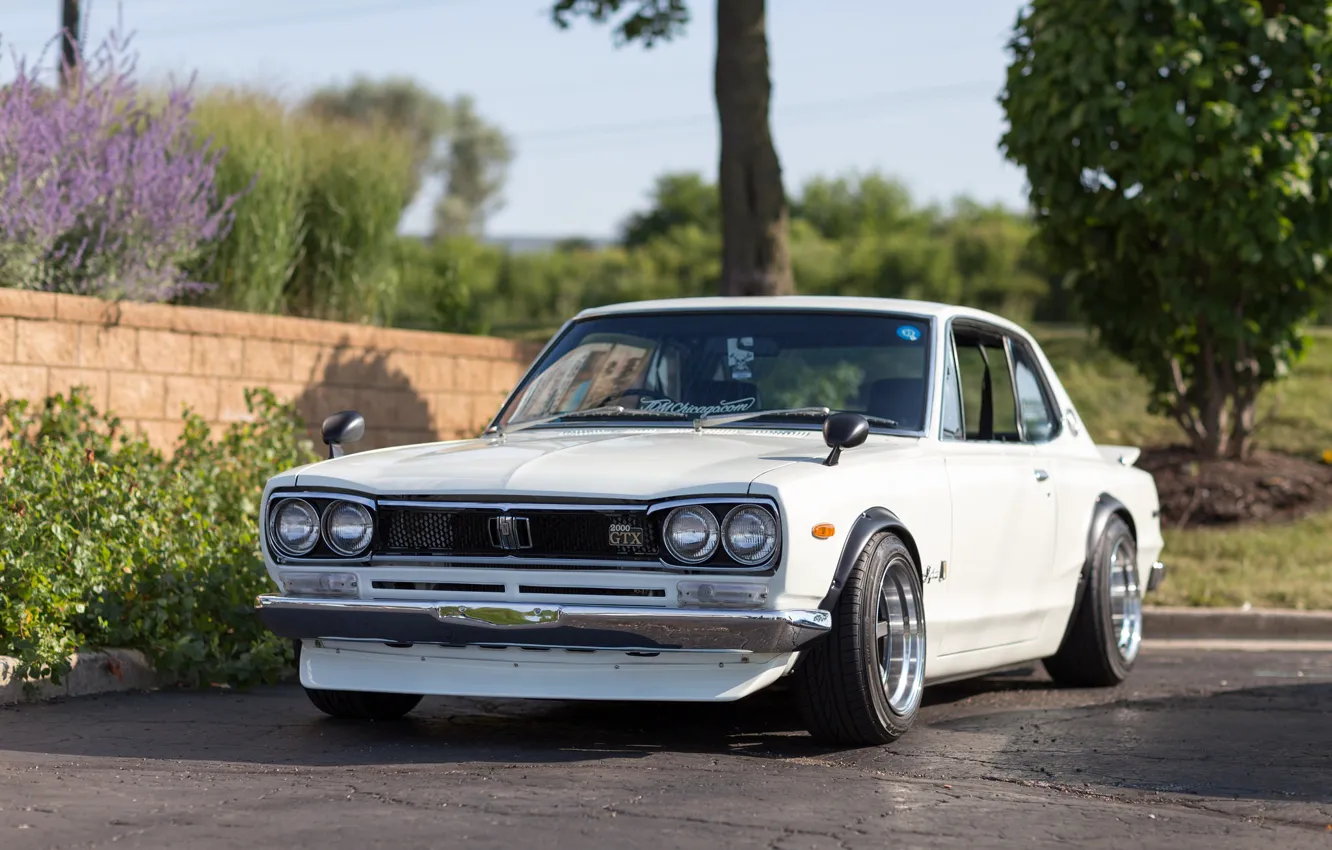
x=899 y=638
x=1125 y=601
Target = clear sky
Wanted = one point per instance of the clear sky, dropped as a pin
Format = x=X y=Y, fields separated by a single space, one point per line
x=907 y=88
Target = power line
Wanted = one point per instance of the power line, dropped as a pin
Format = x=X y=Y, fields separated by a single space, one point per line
x=859 y=103
x=314 y=16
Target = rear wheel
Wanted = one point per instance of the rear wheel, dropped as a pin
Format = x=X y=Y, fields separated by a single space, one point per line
x=1103 y=639
x=862 y=682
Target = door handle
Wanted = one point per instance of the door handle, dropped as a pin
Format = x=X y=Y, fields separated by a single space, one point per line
x=1041 y=474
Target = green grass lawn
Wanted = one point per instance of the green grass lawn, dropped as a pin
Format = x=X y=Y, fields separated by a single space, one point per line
x=1287 y=565
x=1111 y=398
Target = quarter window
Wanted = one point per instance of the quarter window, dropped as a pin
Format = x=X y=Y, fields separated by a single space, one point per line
x=988 y=403
x=1038 y=421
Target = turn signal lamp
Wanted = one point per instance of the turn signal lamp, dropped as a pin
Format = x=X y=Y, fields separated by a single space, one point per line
x=713 y=594
x=319 y=584
x=824 y=530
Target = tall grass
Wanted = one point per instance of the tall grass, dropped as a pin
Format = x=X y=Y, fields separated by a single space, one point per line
x=252 y=266
x=316 y=234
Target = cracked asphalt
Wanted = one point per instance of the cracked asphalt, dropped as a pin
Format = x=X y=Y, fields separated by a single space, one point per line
x=1199 y=749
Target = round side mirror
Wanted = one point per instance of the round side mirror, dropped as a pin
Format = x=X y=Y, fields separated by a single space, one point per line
x=345 y=426
x=843 y=431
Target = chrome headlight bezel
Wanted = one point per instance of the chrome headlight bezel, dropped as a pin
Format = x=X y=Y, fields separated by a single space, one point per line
x=772 y=534
x=324 y=505
x=711 y=527
x=275 y=515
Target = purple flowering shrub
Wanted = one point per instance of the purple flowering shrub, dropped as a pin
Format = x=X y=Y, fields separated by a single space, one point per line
x=104 y=189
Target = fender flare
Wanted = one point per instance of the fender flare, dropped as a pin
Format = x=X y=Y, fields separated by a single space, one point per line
x=869 y=523
x=1104 y=508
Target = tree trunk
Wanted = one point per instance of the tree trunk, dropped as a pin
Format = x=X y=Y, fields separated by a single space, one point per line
x=69 y=40
x=755 y=258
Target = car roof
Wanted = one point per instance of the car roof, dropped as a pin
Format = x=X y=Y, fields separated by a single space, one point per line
x=899 y=306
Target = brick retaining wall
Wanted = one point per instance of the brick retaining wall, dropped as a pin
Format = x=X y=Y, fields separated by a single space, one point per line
x=144 y=362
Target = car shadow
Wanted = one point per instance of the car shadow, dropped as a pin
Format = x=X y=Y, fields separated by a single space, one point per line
x=1262 y=743
x=1257 y=743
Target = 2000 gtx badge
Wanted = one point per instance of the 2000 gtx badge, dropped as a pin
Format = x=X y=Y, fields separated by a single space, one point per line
x=692 y=499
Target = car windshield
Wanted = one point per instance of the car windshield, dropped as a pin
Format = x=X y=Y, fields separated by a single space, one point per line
x=691 y=365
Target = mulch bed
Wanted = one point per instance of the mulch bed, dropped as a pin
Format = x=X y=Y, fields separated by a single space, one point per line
x=1268 y=487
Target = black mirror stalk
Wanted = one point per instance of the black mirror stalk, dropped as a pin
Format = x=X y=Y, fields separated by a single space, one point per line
x=345 y=426
x=843 y=431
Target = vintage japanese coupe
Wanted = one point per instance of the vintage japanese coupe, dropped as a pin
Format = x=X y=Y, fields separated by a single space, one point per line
x=694 y=499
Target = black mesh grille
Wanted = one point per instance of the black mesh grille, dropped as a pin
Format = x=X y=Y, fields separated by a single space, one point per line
x=416 y=530
x=552 y=533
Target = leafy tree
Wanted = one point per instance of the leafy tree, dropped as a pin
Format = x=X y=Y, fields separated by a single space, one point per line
x=474 y=168
x=678 y=200
x=449 y=140
x=755 y=255
x=844 y=206
x=396 y=103
x=1176 y=155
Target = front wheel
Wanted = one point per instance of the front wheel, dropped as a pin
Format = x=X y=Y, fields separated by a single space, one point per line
x=362 y=705
x=358 y=705
x=1106 y=629
x=861 y=684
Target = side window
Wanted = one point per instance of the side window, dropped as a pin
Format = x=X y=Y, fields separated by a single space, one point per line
x=1038 y=419
x=988 y=401
x=951 y=427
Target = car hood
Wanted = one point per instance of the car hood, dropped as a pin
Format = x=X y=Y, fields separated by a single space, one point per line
x=593 y=462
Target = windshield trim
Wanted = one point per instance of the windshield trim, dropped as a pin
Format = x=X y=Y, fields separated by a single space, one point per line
x=610 y=422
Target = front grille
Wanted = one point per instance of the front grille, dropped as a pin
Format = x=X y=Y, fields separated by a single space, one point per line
x=427 y=531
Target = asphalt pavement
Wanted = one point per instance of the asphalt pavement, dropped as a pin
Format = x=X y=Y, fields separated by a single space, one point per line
x=1213 y=749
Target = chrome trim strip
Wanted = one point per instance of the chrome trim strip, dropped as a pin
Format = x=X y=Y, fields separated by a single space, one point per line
x=368 y=501
x=631 y=629
x=509 y=506
x=745 y=499
x=541 y=646
x=572 y=564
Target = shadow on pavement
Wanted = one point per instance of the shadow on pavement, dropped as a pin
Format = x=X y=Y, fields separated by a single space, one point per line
x=1258 y=743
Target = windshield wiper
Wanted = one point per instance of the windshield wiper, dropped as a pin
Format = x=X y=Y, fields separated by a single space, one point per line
x=788 y=413
x=607 y=410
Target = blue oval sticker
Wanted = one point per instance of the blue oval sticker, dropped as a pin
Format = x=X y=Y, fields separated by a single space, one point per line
x=908 y=333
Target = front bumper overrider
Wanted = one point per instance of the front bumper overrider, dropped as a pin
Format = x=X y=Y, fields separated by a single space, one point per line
x=577 y=627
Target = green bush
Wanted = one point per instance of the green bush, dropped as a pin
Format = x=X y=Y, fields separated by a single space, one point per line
x=105 y=541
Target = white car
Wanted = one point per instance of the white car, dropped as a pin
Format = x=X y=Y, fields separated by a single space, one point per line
x=694 y=499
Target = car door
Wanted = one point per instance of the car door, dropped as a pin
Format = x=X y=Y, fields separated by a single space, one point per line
x=1003 y=501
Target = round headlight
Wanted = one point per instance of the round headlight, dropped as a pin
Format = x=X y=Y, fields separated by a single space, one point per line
x=348 y=528
x=691 y=533
x=295 y=527
x=750 y=534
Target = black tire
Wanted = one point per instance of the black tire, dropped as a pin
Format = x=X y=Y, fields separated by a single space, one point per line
x=358 y=705
x=1090 y=655
x=362 y=705
x=838 y=685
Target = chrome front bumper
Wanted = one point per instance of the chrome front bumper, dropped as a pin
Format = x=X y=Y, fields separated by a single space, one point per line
x=579 y=627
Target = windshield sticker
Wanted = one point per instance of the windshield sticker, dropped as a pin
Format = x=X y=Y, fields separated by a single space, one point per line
x=910 y=333
x=740 y=357
x=666 y=405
